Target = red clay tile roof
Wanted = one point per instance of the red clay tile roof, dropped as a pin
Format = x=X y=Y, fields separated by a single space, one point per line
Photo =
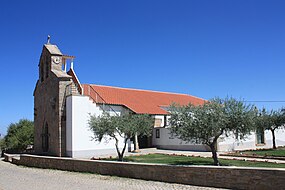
x=139 y=101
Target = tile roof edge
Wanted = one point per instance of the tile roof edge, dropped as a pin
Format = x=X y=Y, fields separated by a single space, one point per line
x=175 y=93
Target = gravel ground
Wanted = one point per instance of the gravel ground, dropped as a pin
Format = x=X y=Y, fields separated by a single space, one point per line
x=17 y=177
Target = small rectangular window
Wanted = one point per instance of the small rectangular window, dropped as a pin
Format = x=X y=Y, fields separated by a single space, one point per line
x=157 y=133
x=157 y=122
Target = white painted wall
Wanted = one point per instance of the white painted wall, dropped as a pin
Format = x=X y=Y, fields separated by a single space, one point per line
x=225 y=144
x=231 y=144
x=115 y=109
x=168 y=141
x=79 y=141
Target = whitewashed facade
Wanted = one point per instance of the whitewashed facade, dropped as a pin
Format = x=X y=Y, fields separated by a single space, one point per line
x=252 y=141
x=79 y=141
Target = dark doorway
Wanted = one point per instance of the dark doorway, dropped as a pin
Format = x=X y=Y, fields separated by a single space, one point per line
x=145 y=142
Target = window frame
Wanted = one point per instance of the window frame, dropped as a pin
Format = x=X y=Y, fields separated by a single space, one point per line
x=260 y=137
x=157 y=133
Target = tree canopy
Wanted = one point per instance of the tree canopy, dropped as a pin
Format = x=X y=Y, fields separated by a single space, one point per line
x=206 y=123
x=19 y=136
x=127 y=126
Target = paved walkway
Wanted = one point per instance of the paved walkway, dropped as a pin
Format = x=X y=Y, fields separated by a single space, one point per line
x=23 y=178
x=194 y=153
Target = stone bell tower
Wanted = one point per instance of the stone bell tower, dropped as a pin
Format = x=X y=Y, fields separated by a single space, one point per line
x=49 y=101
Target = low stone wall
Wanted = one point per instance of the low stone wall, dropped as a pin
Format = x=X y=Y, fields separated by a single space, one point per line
x=212 y=176
x=8 y=157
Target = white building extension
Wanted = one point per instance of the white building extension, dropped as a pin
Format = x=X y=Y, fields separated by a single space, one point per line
x=79 y=142
x=123 y=101
x=256 y=140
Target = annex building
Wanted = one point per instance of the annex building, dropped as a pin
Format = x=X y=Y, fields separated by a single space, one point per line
x=62 y=108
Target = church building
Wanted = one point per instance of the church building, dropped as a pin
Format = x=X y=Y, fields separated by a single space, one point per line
x=62 y=108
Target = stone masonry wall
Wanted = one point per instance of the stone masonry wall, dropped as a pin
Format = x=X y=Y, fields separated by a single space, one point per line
x=212 y=176
x=49 y=103
x=46 y=110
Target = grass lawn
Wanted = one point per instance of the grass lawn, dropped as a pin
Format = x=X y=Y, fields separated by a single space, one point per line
x=184 y=160
x=280 y=152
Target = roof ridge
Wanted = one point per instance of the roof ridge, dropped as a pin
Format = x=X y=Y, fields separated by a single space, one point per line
x=124 y=88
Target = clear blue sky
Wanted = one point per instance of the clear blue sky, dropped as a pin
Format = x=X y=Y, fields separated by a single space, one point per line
x=203 y=48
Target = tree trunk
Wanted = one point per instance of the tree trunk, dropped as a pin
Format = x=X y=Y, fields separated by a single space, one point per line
x=136 y=144
x=120 y=154
x=273 y=138
x=120 y=157
x=214 y=154
x=123 y=151
x=214 y=150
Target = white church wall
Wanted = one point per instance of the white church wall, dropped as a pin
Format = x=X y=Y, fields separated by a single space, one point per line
x=231 y=144
x=79 y=138
x=79 y=143
x=162 y=138
x=114 y=110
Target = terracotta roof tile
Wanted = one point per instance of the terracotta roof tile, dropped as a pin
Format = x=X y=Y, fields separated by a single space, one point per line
x=139 y=101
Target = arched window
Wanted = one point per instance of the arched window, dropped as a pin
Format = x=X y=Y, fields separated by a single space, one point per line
x=45 y=138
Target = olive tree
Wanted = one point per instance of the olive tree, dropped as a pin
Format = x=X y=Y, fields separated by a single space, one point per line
x=207 y=122
x=19 y=136
x=273 y=120
x=127 y=126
